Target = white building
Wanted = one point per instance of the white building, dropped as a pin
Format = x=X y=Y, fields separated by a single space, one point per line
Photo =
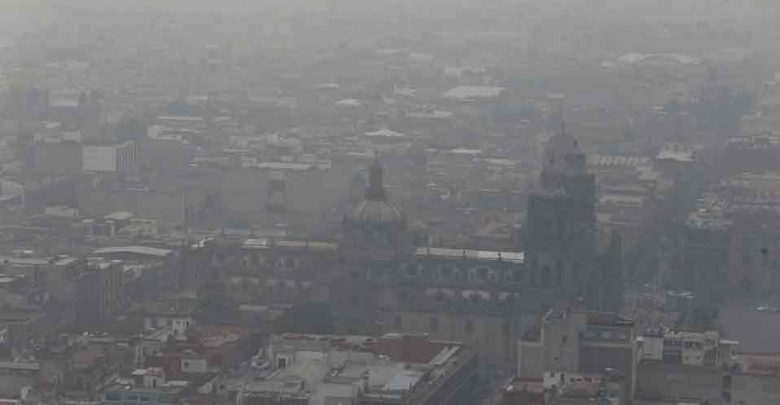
x=119 y=158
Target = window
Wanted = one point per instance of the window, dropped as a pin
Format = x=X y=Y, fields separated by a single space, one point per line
x=434 y=324
x=469 y=326
x=458 y=275
x=482 y=273
x=439 y=296
x=398 y=322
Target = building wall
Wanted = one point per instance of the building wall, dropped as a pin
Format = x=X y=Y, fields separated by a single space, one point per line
x=530 y=360
x=56 y=157
x=114 y=158
x=494 y=334
x=656 y=380
x=756 y=389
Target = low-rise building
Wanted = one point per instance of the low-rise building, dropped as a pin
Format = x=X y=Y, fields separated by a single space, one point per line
x=684 y=366
x=569 y=342
x=392 y=369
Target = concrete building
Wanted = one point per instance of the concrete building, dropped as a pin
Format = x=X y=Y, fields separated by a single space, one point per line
x=119 y=158
x=392 y=369
x=728 y=243
x=99 y=293
x=681 y=366
x=675 y=158
x=756 y=379
x=568 y=342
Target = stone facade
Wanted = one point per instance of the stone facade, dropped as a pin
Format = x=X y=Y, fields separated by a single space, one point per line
x=374 y=281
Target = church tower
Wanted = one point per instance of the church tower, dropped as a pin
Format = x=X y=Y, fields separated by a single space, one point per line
x=560 y=232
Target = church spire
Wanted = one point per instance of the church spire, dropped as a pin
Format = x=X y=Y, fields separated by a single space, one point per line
x=376 y=189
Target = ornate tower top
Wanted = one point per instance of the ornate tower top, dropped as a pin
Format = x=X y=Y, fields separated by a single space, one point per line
x=376 y=189
x=376 y=208
x=563 y=155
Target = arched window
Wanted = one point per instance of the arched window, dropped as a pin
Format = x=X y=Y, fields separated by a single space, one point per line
x=459 y=275
x=482 y=273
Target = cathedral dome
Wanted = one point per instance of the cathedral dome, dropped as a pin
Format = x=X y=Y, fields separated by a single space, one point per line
x=377 y=212
x=375 y=208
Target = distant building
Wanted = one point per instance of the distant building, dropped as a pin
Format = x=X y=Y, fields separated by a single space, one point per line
x=99 y=293
x=578 y=342
x=754 y=153
x=374 y=280
x=728 y=242
x=675 y=158
x=120 y=158
x=756 y=379
x=686 y=366
x=391 y=369
x=148 y=386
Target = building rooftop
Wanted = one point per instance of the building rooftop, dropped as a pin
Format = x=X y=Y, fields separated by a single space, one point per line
x=679 y=152
x=136 y=250
x=759 y=364
x=513 y=257
x=391 y=367
x=617 y=161
x=464 y=93
x=261 y=243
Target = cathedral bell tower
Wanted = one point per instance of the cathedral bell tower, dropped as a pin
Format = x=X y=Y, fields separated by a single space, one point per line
x=560 y=231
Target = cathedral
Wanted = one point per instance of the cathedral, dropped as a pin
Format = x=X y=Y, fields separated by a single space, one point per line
x=374 y=280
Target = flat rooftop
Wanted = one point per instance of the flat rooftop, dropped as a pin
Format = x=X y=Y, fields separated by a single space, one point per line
x=391 y=367
x=514 y=257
